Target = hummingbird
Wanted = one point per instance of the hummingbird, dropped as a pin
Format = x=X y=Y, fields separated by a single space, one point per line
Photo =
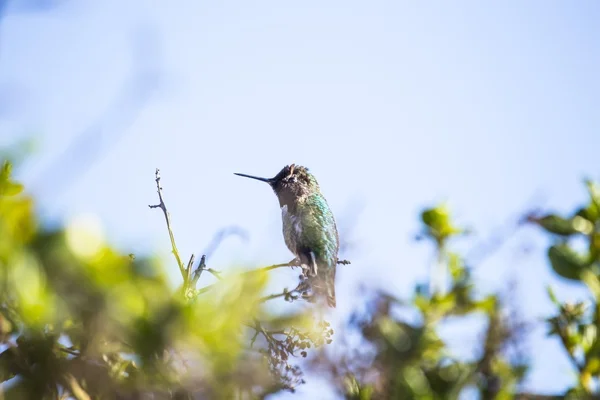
x=309 y=228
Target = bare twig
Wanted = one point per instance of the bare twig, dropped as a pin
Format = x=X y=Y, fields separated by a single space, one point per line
x=188 y=270
x=162 y=206
x=273 y=296
x=215 y=273
x=254 y=338
x=69 y=351
x=294 y=294
x=199 y=270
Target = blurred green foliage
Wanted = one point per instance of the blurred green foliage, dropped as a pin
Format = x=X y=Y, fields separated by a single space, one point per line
x=79 y=319
x=576 y=324
x=405 y=358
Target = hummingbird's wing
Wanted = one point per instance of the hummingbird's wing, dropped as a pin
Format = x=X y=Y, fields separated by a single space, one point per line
x=318 y=230
x=318 y=244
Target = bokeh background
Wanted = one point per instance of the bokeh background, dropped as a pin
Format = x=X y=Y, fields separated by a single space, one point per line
x=392 y=105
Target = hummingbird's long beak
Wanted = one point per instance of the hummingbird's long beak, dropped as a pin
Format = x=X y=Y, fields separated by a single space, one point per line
x=268 y=180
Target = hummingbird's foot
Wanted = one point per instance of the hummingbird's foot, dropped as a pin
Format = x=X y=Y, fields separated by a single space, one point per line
x=305 y=290
x=303 y=286
x=295 y=262
x=305 y=274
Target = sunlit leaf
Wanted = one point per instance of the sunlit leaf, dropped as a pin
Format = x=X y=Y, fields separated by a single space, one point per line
x=566 y=262
x=563 y=226
x=439 y=223
x=588 y=337
x=552 y=295
x=592 y=282
x=594 y=191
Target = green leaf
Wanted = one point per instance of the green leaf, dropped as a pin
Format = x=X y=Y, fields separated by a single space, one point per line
x=7 y=186
x=594 y=191
x=563 y=226
x=566 y=262
x=552 y=296
x=588 y=337
x=592 y=282
x=590 y=213
x=593 y=365
x=438 y=221
x=456 y=267
x=487 y=305
x=5 y=171
x=10 y=189
x=422 y=302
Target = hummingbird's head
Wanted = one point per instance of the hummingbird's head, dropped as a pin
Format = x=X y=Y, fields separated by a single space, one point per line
x=292 y=182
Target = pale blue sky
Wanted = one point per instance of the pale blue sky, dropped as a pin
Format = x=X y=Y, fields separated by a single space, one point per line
x=395 y=105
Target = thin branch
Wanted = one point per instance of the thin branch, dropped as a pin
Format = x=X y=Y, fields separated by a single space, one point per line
x=198 y=272
x=273 y=296
x=73 y=386
x=254 y=338
x=260 y=329
x=288 y=264
x=163 y=207
x=293 y=294
x=69 y=351
x=202 y=267
x=188 y=271
x=269 y=268
x=215 y=273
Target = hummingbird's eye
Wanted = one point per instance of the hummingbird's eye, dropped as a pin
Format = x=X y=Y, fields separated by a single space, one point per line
x=293 y=178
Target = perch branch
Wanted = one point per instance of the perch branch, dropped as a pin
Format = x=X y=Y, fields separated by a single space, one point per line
x=288 y=264
x=163 y=207
x=202 y=267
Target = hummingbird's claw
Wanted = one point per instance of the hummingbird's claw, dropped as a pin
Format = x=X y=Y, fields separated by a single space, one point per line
x=295 y=262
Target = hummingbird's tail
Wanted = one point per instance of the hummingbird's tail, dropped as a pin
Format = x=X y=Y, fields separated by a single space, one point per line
x=331 y=295
x=322 y=276
x=324 y=289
